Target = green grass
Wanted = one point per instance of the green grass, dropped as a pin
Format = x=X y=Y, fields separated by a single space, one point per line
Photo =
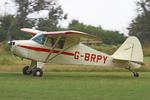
x=147 y=59
x=75 y=86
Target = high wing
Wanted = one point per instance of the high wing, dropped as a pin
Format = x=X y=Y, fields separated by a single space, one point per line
x=30 y=31
x=70 y=33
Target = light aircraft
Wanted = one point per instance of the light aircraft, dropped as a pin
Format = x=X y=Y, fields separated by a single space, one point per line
x=65 y=47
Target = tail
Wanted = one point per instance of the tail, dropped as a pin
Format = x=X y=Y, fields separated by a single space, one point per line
x=130 y=50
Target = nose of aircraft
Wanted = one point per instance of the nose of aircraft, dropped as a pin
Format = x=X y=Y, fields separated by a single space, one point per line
x=11 y=43
x=16 y=49
x=13 y=47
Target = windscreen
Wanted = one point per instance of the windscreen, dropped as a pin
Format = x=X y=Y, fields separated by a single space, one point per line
x=39 y=38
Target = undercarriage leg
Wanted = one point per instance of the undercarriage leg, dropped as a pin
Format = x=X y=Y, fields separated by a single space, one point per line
x=35 y=69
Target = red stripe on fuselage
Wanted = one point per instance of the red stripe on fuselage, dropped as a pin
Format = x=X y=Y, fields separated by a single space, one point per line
x=46 y=50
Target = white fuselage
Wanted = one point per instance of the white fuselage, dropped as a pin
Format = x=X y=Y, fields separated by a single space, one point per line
x=77 y=54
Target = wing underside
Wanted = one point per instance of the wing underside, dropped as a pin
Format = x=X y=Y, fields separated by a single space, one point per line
x=70 y=33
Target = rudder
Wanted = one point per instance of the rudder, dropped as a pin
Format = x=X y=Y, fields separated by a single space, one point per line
x=130 y=50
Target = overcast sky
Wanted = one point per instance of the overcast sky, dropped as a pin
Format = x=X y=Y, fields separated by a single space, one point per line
x=110 y=14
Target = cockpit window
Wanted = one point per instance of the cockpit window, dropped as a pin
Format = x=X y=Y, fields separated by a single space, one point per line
x=61 y=43
x=50 y=42
x=39 y=38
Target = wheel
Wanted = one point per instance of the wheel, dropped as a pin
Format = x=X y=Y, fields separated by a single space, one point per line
x=26 y=71
x=37 y=72
x=136 y=74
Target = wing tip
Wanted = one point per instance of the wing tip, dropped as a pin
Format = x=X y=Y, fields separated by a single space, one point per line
x=29 y=30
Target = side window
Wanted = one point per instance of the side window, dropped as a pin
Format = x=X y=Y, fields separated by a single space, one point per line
x=61 y=43
x=50 y=41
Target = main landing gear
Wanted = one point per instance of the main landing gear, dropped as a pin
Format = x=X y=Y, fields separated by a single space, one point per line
x=33 y=69
x=135 y=74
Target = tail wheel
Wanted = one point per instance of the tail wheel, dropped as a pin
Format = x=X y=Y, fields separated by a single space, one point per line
x=135 y=74
x=37 y=72
x=26 y=71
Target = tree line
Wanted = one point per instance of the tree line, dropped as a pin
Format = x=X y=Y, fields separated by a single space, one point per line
x=140 y=25
x=10 y=24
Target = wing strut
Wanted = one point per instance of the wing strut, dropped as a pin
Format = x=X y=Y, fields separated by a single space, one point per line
x=61 y=52
x=51 y=49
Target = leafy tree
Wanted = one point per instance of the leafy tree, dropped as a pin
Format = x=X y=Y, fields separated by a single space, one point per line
x=140 y=26
x=12 y=23
x=2 y=35
x=108 y=37
x=5 y=26
x=51 y=23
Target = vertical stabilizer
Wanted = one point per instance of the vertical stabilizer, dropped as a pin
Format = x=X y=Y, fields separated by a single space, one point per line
x=130 y=50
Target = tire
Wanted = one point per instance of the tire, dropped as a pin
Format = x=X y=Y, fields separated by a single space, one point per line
x=136 y=74
x=38 y=72
x=25 y=71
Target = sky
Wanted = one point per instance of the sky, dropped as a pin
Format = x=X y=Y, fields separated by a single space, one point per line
x=109 y=14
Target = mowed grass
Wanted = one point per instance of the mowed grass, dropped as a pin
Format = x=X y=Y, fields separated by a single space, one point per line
x=75 y=86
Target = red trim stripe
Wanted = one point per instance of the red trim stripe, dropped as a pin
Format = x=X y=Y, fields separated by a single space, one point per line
x=46 y=50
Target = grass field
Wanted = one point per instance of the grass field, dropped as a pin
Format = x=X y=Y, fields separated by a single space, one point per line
x=75 y=86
